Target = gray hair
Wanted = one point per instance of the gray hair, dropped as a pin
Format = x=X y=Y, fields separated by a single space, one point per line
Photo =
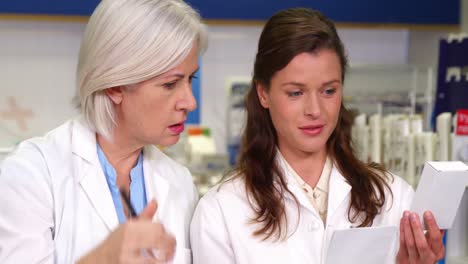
x=127 y=42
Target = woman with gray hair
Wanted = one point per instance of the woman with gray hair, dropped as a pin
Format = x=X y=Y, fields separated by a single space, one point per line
x=96 y=189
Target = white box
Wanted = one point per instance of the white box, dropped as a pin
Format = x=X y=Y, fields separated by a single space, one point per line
x=440 y=190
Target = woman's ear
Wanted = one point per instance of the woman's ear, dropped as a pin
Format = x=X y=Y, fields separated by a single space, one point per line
x=262 y=95
x=115 y=94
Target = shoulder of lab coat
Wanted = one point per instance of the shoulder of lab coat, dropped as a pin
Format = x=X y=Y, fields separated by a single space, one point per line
x=210 y=240
x=27 y=201
x=32 y=206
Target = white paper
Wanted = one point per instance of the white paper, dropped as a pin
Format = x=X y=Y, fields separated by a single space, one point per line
x=441 y=191
x=367 y=245
x=448 y=165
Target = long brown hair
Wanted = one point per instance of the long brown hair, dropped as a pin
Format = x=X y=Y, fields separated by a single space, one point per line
x=285 y=35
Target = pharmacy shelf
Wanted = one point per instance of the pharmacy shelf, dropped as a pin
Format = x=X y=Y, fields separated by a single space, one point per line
x=6 y=150
x=457 y=260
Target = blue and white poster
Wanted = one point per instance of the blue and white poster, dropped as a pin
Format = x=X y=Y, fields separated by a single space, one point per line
x=452 y=75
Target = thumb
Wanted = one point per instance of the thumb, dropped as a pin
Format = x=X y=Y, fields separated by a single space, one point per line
x=149 y=210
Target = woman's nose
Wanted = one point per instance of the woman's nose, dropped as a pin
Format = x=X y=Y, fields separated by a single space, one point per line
x=187 y=102
x=312 y=106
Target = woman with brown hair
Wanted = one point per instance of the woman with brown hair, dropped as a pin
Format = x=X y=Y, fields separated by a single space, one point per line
x=297 y=177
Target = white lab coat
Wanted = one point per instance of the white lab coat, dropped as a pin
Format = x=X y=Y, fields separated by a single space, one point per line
x=56 y=205
x=221 y=231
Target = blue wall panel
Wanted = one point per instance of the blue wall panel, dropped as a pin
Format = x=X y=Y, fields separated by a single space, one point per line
x=353 y=11
x=360 y=11
x=48 y=7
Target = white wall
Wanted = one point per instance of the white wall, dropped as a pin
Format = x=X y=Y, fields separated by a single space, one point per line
x=38 y=61
x=37 y=67
x=424 y=47
x=231 y=52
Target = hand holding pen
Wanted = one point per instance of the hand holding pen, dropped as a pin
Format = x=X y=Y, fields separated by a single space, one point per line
x=139 y=234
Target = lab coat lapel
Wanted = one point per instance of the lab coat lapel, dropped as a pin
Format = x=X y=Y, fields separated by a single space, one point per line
x=339 y=189
x=89 y=174
x=294 y=187
x=156 y=185
x=299 y=194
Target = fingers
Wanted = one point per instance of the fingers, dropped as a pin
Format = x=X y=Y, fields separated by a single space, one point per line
x=409 y=237
x=147 y=257
x=428 y=248
x=422 y=246
x=149 y=210
x=163 y=255
x=143 y=259
x=152 y=237
x=403 y=251
x=149 y=236
x=434 y=235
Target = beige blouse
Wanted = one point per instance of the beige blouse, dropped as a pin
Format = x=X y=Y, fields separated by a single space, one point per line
x=318 y=196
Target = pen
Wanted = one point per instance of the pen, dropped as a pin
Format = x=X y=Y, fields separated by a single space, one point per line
x=145 y=253
x=128 y=204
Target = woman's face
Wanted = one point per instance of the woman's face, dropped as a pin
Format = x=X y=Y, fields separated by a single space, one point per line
x=304 y=101
x=154 y=111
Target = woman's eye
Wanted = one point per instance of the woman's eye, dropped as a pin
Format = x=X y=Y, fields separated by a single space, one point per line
x=330 y=91
x=192 y=77
x=170 y=85
x=294 y=94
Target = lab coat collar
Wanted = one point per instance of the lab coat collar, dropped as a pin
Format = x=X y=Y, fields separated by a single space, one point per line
x=339 y=188
x=93 y=181
x=157 y=186
x=89 y=173
x=292 y=184
x=84 y=141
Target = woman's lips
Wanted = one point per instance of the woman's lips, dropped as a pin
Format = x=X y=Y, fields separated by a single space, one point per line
x=312 y=130
x=177 y=128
